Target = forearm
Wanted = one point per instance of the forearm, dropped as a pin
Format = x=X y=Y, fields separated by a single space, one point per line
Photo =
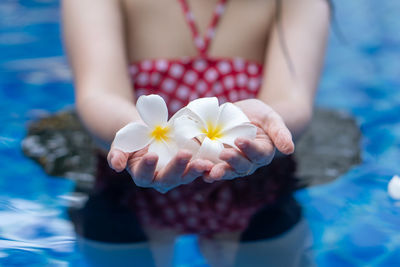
x=294 y=61
x=103 y=114
x=94 y=39
x=295 y=111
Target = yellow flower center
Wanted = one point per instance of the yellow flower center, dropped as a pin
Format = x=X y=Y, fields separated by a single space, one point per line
x=213 y=131
x=160 y=133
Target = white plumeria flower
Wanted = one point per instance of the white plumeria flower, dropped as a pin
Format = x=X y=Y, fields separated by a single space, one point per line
x=213 y=126
x=157 y=132
x=394 y=187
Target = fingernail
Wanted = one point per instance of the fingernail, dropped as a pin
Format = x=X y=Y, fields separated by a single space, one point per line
x=242 y=144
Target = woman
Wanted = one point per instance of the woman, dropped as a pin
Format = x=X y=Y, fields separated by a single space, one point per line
x=264 y=56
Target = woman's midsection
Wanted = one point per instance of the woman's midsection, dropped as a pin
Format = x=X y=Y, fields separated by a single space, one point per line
x=157 y=29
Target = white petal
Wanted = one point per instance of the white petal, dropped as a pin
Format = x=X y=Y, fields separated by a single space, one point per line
x=231 y=116
x=206 y=108
x=186 y=128
x=132 y=137
x=152 y=110
x=394 y=187
x=165 y=152
x=183 y=111
x=191 y=145
x=210 y=150
x=246 y=130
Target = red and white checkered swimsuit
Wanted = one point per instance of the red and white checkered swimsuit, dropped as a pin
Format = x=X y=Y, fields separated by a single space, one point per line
x=201 y=207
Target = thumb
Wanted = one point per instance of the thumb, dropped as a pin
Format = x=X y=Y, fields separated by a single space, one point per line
x=117 y=159
x=279 y=133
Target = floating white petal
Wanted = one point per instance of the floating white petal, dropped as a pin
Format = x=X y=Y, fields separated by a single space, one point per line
x=132 y=137
x=152 y=110
x=394 y=187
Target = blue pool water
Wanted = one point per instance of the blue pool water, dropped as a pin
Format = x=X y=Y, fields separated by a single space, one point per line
x=352 y=220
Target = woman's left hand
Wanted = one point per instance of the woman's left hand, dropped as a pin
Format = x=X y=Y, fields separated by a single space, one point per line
x=272 y=134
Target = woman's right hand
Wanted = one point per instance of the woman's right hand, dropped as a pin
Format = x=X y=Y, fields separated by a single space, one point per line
x=141 y=165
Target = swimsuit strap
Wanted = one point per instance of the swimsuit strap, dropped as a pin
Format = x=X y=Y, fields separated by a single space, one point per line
x=202 y=43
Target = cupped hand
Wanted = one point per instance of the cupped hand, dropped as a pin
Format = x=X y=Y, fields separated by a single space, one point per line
x=272 y=134
x=141 y=165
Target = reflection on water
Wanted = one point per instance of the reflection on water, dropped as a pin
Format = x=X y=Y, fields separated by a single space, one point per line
x=32 y=234
x=292 y=248
x=253 y=221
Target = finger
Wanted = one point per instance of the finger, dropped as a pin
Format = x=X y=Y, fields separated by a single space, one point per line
x=196 y=169
x=117 y=159
x=143 y=169
x=223 y=172
x=237 y=161
x=260 y=151
x=217 y=172
x=172 y=174
x=279 y=133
